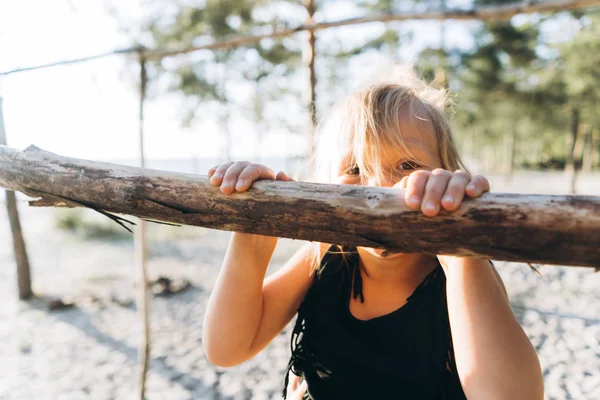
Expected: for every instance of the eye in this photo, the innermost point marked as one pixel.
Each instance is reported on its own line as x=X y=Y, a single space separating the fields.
x=353 y=170
x=408 y=166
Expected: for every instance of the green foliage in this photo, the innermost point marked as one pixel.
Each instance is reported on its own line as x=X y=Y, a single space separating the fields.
x=580 y=62
x=205 y=78
x=512 y=82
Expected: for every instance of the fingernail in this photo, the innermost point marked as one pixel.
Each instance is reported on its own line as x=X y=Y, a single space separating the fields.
x=470 y=187
x=448 y=199
x=430 y=206
x=227 y=184
x=240 y=184
x=414 y=201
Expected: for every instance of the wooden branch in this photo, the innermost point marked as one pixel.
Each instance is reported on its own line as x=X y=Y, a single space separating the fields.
x=562 y=230
x=73 y=60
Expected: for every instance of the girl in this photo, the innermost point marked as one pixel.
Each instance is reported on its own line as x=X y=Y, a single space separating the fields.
x=373 y=324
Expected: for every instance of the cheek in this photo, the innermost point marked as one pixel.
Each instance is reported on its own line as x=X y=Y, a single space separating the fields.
x=347 y=180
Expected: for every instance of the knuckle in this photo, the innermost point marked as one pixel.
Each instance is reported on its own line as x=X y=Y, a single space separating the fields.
x=231 y=173
x=440 y=172
x=240 y=164
x=421 y=172
x=419 y=175
x=462 y=174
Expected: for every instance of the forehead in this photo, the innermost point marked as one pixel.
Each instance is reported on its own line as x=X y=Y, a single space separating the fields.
x=412 y=132
x=416 y=127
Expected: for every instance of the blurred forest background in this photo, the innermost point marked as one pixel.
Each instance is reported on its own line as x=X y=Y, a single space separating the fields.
x=525 y=91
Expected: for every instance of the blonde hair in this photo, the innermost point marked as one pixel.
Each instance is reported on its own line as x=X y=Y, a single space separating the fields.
x=367 y=120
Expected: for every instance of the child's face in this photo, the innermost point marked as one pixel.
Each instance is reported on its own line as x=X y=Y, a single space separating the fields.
x=419 y=137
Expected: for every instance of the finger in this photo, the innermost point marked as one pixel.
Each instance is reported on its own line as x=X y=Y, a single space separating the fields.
x=282 y=176
x=251 y=173
x=415 y=188
x=434 y=190
x=478 y=185
x=401 y=184
x=455 y=192
x=212 y=170
x=217 y=176
x=231 y=176
x=404 y=182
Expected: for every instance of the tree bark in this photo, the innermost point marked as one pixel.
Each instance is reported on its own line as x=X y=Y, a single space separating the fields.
x=562 y=230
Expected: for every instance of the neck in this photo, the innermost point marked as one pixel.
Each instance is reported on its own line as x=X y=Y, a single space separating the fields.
x=395 y=269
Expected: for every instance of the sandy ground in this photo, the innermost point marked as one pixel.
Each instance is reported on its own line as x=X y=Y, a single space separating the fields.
x=89 y=351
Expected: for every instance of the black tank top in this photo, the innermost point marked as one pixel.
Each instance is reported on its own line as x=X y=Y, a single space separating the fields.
x=406 y=354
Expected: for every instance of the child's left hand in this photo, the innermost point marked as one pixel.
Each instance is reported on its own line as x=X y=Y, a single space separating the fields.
x=431 y=191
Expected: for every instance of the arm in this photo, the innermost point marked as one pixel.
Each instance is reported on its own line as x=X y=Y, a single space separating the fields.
x=494 y=357
x=246 y=311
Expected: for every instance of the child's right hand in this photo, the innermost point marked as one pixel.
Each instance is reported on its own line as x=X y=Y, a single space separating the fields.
x=239 y=175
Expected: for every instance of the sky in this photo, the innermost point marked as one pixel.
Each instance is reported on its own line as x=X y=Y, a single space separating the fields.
x=90 y=110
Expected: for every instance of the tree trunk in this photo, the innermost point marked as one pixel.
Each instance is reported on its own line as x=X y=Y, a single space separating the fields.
x=510 y=148
x=20 y=250
x=570 y=165
x=587 y=152
x=596 y=147
x=561 y=230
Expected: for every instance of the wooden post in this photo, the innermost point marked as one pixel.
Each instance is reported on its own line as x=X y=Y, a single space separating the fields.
x=440 y=74
x=23 y=270
x=309 y=60
x=144 y=295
